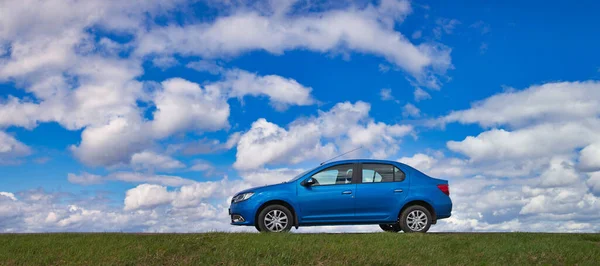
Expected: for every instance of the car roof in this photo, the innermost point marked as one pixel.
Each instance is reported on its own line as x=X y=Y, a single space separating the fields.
x=363 y=161
x=401 y=165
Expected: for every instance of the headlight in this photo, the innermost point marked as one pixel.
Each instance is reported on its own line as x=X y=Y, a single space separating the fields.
x=242 y=197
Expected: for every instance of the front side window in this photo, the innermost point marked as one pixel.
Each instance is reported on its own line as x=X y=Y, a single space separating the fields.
x=335 y=175
x=376 y=173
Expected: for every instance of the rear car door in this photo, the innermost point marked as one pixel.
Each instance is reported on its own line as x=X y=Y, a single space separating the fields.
x=381 y=190
x=332 y=198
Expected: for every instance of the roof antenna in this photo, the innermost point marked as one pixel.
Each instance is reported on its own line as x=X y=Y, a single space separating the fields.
x=341 y=155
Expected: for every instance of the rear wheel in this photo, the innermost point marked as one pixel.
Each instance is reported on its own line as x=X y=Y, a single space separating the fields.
x=392 y=228
x=415 y=219
x=275 y=219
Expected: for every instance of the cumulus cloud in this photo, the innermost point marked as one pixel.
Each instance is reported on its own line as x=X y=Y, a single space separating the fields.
x=550 y=102
x=594 y=183
x=11 y=149
x=91 y=84
x=534 y=141
x=304 y=139
x=261 y=177
x=184 y=105
x=589 y=158
x=146 y=196
x=386 y=94
x=282 y=92
x=130 y=177
x=420 y=94
x=369 y=30
x=154 y=161
x=525 y=164
x=410 y=110
x=40 y=211
x=8 y=195
x=150 y=196
x=113 y=143
x=205 y=145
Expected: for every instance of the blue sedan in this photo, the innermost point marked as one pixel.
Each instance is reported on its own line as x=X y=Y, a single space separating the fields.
x=391 y=194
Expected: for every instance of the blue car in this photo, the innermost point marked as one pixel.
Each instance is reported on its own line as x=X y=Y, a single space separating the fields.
x=391 y=194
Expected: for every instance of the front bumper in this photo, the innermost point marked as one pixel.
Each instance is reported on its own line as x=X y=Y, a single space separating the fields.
x=245 y=210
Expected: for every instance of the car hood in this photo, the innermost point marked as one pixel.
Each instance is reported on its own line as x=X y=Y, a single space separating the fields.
x=263 y=188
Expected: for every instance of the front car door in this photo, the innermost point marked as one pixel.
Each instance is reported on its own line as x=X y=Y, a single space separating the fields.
x=380 y=193
x=331 y=199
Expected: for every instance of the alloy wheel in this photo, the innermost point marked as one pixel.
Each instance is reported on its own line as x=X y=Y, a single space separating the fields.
x=276 y=221
x=416 y=220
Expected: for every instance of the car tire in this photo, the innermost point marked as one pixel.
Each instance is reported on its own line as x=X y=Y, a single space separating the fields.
x=392 y=228
x=415 y=219
x=275 y=219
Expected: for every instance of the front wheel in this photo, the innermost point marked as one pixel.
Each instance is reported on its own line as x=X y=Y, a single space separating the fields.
x=392 y=228
x=275 y=219
x=415 y=219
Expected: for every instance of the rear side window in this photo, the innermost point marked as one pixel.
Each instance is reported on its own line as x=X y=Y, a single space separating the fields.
x=376 y=173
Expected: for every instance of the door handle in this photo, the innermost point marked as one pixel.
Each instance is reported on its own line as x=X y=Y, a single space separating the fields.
x=397 y=190
x=347 y=192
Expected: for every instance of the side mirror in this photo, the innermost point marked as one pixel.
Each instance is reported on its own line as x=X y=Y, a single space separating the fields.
x=309 y=182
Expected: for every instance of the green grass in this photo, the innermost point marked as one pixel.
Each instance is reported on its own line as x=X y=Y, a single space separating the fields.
x=300 y=249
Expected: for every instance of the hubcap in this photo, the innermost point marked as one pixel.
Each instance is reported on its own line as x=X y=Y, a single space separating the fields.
x=276 y=221
x=416 y=220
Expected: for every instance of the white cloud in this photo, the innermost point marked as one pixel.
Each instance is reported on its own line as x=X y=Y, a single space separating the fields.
x=146 y=196
x=594 y=183
x=154 y=161
x=318 y=137
x=8 y=195
x=261 y=177
x=206 y=66
x=85 y=179
x=165 y=180
x=535 y=141
x=206 y=146
x=383 y=68
x=130 y=177
x=420 y=95
x=184 y=105
x=546 y=127
x=380 y=139
x=369 y=30
x=151 y=196
x=444 y=25
x=282 y=92
x=560 y=173
x=11 y=149
x=202 y=166
x=266 y=142
x=410 y=110
x=164 y=62
x=386 y=94
x=420 y=161
x=589 y=158
x=113 y=143
x=550 y=102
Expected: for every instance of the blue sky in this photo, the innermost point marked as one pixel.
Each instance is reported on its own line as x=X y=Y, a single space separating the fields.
x=148 y=116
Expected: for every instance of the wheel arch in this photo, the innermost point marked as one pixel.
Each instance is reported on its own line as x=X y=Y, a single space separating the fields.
x=277 y=202
x=423 y=203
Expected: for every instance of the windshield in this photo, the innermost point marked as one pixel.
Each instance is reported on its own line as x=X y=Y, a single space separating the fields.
x=300 y=175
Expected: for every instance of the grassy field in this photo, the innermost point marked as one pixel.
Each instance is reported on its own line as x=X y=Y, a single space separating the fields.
x=300 y=249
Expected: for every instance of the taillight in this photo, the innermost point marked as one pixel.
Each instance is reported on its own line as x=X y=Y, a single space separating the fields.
x=444 y=188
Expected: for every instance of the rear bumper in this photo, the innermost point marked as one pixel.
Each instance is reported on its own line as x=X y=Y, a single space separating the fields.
x=443 y=210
